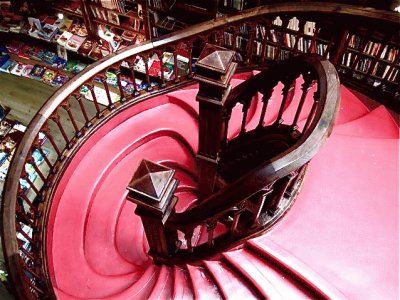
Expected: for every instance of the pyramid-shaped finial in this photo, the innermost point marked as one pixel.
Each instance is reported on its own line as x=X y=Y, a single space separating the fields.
x=215 y=58
x=151 y=180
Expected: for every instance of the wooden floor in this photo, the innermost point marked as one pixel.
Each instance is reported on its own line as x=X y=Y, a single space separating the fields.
x=23 y=95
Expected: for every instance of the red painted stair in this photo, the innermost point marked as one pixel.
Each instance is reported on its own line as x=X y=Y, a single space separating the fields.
x=334 y=242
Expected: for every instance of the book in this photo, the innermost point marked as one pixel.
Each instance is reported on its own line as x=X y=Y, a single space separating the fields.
x=64 y=38
x=59 y=80
x=49 y=76
x=37 y=72
x=17 y=70
x=27 y=71
x=75 y=42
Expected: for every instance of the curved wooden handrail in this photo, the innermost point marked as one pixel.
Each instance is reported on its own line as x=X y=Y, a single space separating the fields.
x=280 y=166
x=204 y=30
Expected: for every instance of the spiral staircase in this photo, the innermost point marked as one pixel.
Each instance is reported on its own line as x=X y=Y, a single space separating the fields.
x=326 y=230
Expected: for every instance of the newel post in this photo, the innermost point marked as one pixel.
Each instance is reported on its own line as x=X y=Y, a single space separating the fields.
x=214 y=70
x=152 y=188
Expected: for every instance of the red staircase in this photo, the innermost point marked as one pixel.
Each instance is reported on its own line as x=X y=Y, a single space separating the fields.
x=326 y=245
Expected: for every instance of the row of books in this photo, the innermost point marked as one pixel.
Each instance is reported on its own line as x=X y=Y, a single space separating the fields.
x=118 y=5
x=36 y=72
x=42 y=55
x=380 y=69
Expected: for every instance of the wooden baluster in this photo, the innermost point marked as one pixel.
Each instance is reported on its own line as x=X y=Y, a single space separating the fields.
x=176 y=65
x=28 y=254
x=188 y=238
x=23 y=233
x=25 y=176
x=210 y=230
x=312 y=112
x=190 y=63
x=99 y=113
x=132 y=69
x=236 y=216
x=38 y=146
x=265 y=100
x=67 y=107
x=160 y=56
x=226 y=117
x=56 y=119
x=26 y=220
x=120 y=87
x=22 y=195
x=260 y=203
x=245 y=109
x=146 y=67
x=103 y=80
x=305 y=87
x=30 y=160
x=288 y=93
x=78 y=98
x=47 y=132
x=280 y=187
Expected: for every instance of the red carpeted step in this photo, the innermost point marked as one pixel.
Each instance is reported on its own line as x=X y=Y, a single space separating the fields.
x=351 y=107
x=231 y=285
x=248 y=265
x=163 y=286
x=296 y=271
x=182 y=285
x=203 y=285
x=344 y=229
x=376 y=124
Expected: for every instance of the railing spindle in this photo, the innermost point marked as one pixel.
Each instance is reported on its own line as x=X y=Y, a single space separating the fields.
x=78 y=98
x=306 y=86
x=288 y=93
x=188 y=238
x=95 y=102
x=103 y=80
x=132 y=70
x=47 y=132
x=67 y=107
x=121 y=89
x=210 y=231
x=312 y=112
x=55 y=117
x=265 y=100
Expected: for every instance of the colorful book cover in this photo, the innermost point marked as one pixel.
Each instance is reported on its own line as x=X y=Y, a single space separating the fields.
x=78 y=68
x=86 y=47
x=49 y=76
x=59 y=80
x=17 y=70
x=64 y=38
x=75 y=42
x=70 y=65
x=27 y=71
x=38 y=72
x=59 y=63
x=5 y=66
x=49 y=57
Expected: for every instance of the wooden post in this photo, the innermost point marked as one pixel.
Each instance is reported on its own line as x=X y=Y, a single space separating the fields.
x=152 y=188
x=214 y=70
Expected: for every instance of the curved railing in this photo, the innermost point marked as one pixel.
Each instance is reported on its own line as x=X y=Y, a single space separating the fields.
x=79 y=108
x=260 y=187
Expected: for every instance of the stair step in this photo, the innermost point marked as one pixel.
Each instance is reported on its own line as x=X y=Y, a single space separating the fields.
x=203 y=286
x=246 y=264
x=301 y=275
x=228 y=282
x=384 y=127
x=349 y=201
x=182 y=285
x=351 y=107
x=163 y=287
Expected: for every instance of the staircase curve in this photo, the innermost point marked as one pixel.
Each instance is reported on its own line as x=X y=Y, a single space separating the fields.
x=73 y=235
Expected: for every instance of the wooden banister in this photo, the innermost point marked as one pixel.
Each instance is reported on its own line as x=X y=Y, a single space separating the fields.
x=197 y=36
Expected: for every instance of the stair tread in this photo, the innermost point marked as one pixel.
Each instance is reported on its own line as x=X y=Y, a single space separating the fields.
x=229 y=283
x=182 y=286
x=348 y=212
x=245 y=263
x=203 y=286
x=384 y=127
x=163 y=287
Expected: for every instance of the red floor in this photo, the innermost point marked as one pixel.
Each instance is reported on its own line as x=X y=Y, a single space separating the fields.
x=341 y=234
